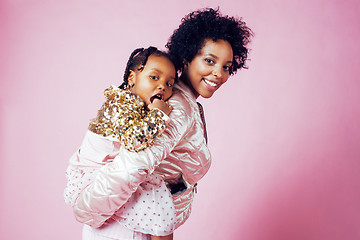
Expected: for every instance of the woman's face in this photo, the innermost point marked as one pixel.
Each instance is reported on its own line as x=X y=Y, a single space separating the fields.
x=210 y=68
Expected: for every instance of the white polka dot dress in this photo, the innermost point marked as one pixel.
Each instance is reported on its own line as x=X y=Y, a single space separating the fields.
x=150 y=210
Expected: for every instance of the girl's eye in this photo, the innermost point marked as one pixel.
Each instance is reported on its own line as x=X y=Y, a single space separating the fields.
x=210 y=61
x=169 y=84
x=154 y=77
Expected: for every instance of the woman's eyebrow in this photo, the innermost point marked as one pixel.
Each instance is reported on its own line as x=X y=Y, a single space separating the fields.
x=212 y=55
x=216 y=57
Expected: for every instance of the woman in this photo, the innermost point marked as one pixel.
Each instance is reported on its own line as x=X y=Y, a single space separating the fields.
x=208 y=48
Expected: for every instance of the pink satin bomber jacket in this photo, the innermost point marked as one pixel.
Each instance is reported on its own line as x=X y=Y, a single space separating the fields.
x=96 y=194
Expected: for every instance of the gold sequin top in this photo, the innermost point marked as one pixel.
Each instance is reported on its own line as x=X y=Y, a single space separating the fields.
x=124 y=116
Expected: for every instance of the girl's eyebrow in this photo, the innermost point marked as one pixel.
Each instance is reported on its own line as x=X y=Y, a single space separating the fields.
x=172 y=78
x=156 y=70
x=160 y=72
x=216 y=57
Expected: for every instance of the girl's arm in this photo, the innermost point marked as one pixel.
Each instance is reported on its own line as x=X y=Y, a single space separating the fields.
x=124 y=116
x=116 y=181
x=141 y=131
x=121 y=119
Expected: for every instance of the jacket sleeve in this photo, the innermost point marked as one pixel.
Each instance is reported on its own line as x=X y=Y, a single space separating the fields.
x=125 y=117
x=115 y=182
x=94 y=152
x=143 y=129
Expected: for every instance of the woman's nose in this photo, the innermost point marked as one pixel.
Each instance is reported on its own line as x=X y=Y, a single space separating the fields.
x=217 y=72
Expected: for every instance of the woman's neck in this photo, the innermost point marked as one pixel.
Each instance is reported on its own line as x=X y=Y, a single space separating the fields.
x=183 y=78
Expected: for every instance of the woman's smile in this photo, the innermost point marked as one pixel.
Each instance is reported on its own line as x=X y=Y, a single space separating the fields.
x=210 y=68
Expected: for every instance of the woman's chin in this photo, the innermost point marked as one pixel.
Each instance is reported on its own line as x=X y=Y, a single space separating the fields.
x=207 y=94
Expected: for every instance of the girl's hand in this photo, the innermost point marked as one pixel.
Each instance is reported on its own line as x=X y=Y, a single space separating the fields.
x=162 y=105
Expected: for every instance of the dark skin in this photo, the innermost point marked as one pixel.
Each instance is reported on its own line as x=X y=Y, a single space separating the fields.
x=157 y=76
x=168 y=237
x=205 y=74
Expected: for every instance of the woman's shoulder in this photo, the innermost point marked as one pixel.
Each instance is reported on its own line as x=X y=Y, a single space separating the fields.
x=183 y=100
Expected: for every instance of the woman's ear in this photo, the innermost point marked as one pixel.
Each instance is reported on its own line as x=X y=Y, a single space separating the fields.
x=185 y=64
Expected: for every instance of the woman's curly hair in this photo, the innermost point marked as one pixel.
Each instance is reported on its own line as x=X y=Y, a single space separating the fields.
x=208 y=23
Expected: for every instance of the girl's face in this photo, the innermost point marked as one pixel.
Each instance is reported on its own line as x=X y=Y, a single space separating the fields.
x=155 y=80
x=210 y=68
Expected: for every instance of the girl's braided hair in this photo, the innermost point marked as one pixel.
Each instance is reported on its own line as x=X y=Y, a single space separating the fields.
x=137 y=62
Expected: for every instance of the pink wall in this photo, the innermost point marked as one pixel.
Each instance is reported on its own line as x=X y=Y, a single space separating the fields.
x=284 y=134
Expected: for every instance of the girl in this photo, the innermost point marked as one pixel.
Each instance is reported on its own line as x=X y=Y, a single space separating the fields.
x=123 y=118
x=208 y=48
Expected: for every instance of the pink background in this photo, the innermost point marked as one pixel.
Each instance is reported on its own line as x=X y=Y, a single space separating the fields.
x=284 y=134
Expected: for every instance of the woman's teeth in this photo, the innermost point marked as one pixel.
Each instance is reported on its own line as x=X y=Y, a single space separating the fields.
x=210 y=83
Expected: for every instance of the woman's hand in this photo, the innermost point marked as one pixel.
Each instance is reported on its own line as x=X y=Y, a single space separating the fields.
x=161 y=105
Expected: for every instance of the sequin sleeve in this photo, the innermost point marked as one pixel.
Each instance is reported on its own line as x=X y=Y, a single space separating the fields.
x=124 y=116
x=144 y=130
x=115 y=182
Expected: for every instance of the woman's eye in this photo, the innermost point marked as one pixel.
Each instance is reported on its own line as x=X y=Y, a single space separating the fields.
x=154 y=77
x=210 y=61
x=227 y=68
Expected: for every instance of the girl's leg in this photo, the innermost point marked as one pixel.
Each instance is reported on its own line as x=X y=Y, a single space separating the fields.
x=112 y=230
x=88 y=234
x=168 y=237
